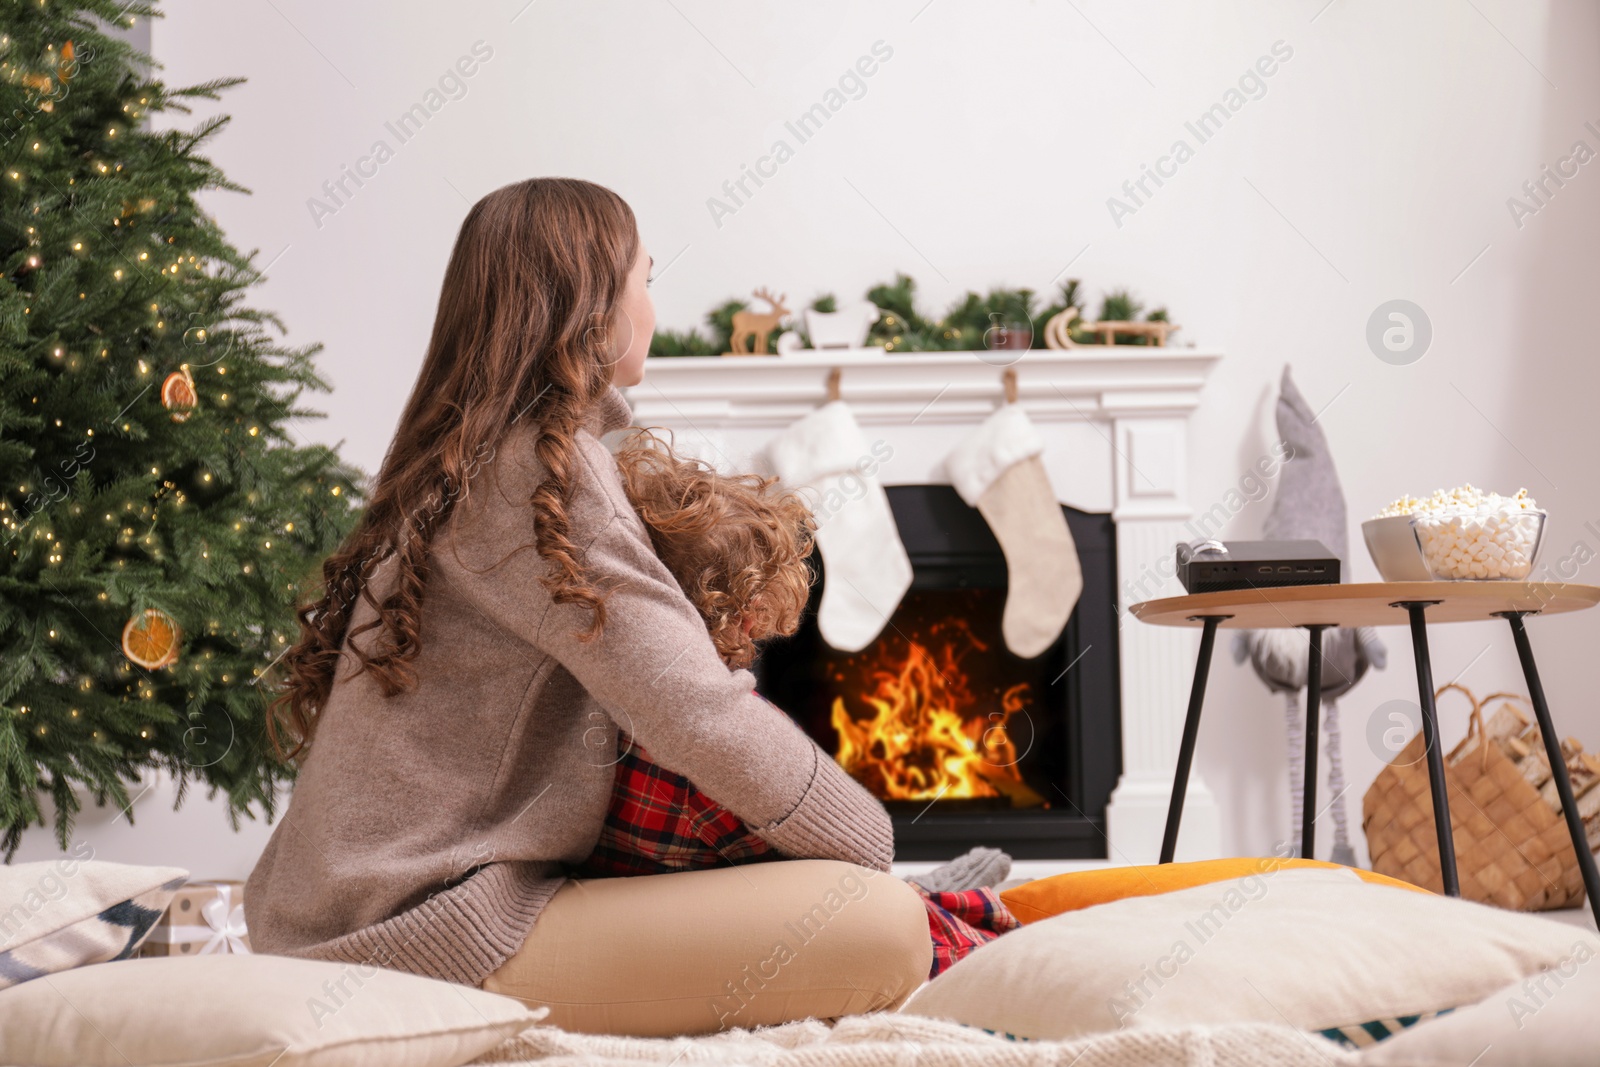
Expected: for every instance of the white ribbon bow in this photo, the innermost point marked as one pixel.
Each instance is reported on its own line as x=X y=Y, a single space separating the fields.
x=226 y=920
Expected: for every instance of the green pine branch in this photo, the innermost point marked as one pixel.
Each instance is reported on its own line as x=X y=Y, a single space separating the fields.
x=969 y=324
x=113 y=280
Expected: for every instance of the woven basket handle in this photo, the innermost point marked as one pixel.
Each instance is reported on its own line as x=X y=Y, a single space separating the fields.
x=1513 y=698
x=1475 y=726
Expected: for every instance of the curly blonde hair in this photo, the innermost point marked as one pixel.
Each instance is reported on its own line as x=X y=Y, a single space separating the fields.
x=737 y=543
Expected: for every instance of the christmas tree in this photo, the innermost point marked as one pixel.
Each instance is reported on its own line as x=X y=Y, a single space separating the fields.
x=159 y=517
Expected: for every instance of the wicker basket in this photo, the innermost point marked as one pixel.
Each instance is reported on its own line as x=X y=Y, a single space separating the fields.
x=1512 y=848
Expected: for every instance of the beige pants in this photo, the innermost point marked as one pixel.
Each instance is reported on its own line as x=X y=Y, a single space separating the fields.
x=703 y=951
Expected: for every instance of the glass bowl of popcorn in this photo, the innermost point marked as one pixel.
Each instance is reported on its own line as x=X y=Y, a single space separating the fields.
x=1468 y=534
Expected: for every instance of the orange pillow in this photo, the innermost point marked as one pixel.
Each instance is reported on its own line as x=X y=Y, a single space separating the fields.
x=1045 y=897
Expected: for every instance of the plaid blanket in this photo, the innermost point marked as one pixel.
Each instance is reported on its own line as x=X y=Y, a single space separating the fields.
x=658 y=823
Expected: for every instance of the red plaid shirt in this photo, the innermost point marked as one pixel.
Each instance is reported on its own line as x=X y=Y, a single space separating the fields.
x=658 y=823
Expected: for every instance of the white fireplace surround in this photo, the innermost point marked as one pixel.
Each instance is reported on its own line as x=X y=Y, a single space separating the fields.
x=1115 y=422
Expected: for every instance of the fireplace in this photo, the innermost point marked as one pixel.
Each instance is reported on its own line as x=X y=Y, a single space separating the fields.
x=1116 y=425
x=966 y=743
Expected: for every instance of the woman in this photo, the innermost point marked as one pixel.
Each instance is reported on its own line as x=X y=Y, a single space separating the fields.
x=497 y=615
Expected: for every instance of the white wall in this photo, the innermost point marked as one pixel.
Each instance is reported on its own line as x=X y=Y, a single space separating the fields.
x=1376 y=166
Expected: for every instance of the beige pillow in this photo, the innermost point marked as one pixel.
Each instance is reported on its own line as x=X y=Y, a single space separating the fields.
x=1545 y=1020
x=249 y=1011
x=1317 y=949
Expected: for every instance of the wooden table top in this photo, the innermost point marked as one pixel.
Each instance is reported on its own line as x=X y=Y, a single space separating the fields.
x=1365 y=603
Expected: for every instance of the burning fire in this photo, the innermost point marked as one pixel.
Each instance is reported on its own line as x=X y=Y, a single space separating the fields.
x=922 y=740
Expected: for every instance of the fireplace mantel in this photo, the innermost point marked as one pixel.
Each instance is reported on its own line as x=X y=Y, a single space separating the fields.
x=1115 y=422
x=1070 y=383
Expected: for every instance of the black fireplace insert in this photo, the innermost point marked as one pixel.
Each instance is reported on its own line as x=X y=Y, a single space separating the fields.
x=966 y=743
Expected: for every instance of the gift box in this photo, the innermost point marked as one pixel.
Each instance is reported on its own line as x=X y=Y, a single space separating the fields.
x=203 y=918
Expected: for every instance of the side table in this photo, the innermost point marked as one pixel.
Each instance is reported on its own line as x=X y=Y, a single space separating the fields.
x=1316 y=608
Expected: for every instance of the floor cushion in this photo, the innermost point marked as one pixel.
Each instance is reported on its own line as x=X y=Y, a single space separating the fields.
x=1044 y=897
x=1551 y=1019
x=250 y=1011
x=1317 y=949
x=64 y=913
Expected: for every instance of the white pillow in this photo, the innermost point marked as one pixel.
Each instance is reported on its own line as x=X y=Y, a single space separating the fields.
x=1545 y=1020
x=1317 y=949
x=250 y=1011
x=64 y=913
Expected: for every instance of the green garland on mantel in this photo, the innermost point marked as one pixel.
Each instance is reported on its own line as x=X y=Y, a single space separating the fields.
x=901 y=328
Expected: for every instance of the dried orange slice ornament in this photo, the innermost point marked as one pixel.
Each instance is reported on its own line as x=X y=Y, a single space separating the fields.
x=151 y=640
x=178 y=394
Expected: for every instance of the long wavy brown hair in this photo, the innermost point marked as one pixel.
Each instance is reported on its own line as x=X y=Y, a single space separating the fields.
x=520 y=334
x=738 y=544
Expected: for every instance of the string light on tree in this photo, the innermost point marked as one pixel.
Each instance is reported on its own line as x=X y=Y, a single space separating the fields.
x=127 y=510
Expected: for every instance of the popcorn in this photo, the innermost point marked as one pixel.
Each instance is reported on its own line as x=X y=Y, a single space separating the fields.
x=1468 y=533
x=1468 y=496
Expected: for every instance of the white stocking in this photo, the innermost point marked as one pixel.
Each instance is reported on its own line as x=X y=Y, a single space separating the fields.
x=867 y=569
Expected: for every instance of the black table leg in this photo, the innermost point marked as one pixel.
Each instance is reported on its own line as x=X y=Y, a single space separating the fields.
x=1558 y=763
x=1430 y=736
x=1191 y=730
x=1308 y=803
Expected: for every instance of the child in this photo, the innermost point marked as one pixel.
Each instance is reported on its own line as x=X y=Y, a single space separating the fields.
x=738 y=546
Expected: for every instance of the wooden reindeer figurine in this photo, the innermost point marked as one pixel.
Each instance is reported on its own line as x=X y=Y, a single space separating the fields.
x=748 y=325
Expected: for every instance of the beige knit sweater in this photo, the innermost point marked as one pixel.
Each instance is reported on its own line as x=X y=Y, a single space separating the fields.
x=427 y=830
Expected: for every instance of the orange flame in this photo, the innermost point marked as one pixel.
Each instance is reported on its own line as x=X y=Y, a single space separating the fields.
x=922 y=741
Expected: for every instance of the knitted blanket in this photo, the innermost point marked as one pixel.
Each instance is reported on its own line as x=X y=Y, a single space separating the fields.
x=893 y=1040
